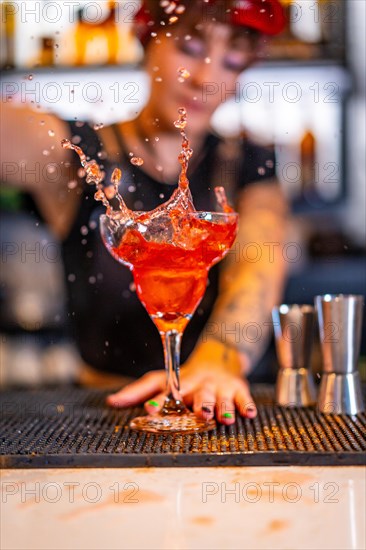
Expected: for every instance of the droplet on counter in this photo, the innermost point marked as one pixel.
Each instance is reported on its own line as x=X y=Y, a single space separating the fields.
x=137 y=161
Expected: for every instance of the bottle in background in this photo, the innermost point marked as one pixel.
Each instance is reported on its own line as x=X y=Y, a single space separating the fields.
x=97 y=43
x=308 y=146
x=47 y=57
x=8 y=23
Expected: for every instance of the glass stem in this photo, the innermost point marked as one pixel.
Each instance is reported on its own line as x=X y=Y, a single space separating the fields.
x=173 y=401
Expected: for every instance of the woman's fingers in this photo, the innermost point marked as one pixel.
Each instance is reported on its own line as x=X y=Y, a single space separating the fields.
x=225 y=406
x=244 y=402
x=224 y=397
x=136 y=392
x=153 y=405
x=204 y=401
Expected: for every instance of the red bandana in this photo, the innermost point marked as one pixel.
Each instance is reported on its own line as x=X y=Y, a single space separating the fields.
x=265 y=16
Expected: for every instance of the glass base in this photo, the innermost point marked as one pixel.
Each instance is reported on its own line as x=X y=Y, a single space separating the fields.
x=186 y=423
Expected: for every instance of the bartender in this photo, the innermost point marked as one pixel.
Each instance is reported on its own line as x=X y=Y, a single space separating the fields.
x=192 y=51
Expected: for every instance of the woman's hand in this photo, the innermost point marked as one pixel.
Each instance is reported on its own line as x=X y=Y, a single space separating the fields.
x=211 y=384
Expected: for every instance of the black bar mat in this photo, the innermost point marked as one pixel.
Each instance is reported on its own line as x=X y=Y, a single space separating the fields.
x=72 y=427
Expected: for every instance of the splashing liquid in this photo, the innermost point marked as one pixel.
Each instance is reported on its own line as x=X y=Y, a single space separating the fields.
x=179 y=203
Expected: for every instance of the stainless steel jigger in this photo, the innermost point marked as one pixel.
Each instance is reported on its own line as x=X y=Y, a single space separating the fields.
x=340 y=323
x=294 y=334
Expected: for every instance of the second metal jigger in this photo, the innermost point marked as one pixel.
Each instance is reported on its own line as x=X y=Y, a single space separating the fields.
x=294 y=332
x=340 y=323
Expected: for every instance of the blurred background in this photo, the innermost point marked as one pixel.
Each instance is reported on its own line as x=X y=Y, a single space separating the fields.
x=306 y=96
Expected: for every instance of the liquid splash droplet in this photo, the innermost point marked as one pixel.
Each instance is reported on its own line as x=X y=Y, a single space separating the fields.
x=137 y=161
x=183 y=74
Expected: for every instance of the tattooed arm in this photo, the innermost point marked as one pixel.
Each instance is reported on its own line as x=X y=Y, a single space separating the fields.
x=253 y=277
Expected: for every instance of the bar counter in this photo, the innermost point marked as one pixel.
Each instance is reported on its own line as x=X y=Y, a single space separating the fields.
x=291 y=507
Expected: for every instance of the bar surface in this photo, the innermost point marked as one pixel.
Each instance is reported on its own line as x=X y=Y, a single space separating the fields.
x=71 y=427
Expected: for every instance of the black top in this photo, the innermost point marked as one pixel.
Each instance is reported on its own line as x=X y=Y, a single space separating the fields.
x=111 y=327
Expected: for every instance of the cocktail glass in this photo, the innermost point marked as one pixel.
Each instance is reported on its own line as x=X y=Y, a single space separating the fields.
x=170 y=259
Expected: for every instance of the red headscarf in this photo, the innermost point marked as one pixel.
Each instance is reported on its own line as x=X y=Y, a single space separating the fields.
x=265 y=16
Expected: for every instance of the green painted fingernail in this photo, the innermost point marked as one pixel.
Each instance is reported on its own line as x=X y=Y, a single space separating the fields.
x=227 y=415
x=153 y=403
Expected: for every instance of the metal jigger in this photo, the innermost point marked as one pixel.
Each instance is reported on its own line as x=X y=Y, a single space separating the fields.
x=294 y=332
x=340 y=324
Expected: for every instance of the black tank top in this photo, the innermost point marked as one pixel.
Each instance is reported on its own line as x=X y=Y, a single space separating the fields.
x=109 y=324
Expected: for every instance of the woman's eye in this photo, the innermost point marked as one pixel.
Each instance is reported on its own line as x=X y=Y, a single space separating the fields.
x=235 y=61
x=193 y=47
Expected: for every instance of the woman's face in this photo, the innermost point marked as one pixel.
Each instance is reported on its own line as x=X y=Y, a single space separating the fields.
x=214 y=57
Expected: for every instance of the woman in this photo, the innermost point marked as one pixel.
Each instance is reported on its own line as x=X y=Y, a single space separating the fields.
x=212 y=42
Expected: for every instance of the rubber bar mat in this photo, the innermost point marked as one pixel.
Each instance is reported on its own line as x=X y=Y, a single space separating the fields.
x=72 y=427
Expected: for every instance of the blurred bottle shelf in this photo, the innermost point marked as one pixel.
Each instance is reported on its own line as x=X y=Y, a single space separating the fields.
x=94 y=33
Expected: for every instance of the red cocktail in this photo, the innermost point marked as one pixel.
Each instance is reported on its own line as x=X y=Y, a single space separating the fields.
x=170 y=272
